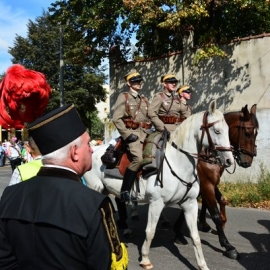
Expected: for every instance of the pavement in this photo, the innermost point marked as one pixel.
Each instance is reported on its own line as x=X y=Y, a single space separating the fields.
x=246 y=229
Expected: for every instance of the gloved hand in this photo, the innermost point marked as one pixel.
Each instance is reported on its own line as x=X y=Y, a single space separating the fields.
x=131 y=138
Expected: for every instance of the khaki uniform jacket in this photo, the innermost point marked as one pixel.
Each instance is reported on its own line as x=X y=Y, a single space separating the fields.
x=123 y=111
x=165 y=103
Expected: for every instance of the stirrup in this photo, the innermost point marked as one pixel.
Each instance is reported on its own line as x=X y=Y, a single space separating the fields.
x=125 y=196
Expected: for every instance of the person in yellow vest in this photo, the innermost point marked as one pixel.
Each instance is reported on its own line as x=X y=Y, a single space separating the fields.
x=29 y=169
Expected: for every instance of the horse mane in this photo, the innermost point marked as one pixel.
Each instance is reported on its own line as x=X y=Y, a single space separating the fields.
x=183 y=131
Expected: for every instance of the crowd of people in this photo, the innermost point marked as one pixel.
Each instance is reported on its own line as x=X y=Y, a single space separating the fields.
x=65 y=224
x=15 y=152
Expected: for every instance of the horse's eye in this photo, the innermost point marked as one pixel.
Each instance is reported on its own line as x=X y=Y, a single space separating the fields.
x=216 y=131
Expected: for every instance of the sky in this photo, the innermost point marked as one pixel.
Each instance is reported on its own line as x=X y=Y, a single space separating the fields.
x=15 y=15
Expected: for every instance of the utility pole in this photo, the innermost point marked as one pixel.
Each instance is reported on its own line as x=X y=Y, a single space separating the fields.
x=61 y=77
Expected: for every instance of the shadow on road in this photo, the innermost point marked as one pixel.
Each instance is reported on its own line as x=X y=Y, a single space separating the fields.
x=261 y=243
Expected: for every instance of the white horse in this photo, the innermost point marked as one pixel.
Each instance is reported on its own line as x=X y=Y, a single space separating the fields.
x=179 y=179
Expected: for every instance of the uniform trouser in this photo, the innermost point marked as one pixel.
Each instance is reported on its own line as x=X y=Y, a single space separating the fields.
x=135 y=154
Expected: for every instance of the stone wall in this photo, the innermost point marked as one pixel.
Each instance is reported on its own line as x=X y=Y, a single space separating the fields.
x=242 y=78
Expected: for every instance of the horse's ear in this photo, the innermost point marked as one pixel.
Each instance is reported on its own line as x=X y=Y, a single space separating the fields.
x=212 y=106
x=253 y=109
x=245 y=112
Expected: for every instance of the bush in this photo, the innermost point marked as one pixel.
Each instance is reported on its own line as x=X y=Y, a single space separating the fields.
x=248 y=194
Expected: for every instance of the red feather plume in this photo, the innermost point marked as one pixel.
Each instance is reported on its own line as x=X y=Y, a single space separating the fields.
x=24 y=95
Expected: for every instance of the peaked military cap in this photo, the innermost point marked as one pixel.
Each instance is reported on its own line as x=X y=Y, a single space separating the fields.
x=133 y=76
x=184 y=88
x=56 y=129
x=169 y=78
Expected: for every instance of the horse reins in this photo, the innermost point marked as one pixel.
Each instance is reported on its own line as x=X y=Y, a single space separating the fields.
x=205 y=129
x=236 y=153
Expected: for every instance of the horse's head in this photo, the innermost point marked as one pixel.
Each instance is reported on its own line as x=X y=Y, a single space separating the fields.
x=215 y=136
x=243 y=130
x=209 y=133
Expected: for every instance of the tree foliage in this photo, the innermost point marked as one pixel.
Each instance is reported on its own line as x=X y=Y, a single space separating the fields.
x=160 y=26
x=96 y=21
x=96 y=127
x=40 y=51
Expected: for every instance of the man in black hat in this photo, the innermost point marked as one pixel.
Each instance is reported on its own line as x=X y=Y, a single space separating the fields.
x=131 y=120
x=53 y=221
x=164 y=110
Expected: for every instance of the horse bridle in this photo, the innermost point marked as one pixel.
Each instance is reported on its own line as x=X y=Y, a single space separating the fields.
x=236 y=152
x=205 y=129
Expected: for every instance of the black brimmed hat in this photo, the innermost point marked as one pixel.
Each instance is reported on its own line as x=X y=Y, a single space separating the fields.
x=184 y=88
x=169 y=78
x=133 y=76
x=56 y=129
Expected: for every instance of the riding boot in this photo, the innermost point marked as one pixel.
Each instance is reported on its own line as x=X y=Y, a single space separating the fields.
x=128 y=180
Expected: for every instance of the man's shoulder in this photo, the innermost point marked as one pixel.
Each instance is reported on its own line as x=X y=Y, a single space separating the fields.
x=159 y=96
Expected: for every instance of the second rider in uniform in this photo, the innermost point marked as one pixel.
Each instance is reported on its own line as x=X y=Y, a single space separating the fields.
x=165 y=110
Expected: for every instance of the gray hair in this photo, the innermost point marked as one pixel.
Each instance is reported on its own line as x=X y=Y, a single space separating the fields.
x=60 y=155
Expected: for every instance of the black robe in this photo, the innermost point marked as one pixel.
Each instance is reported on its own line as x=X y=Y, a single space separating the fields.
x=52 y=221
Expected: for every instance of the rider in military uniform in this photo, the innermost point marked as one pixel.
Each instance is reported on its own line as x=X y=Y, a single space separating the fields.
x=184 y=93
x=165 y=108
x=52 y=221
x=131 y=120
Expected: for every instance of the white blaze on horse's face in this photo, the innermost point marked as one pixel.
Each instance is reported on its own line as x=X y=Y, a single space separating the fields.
x=219 y=133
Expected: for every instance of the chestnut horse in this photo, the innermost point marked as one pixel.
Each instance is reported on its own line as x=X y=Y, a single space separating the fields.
x=243 y=129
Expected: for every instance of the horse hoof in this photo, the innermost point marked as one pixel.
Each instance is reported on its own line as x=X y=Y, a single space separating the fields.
x=146 y=265
x=232 y=254
x=180 y=240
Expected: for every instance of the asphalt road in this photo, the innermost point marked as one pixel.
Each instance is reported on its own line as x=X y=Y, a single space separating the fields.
x=246 y=229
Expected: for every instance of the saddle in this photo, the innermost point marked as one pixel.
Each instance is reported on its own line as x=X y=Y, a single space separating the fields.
x=116 y=158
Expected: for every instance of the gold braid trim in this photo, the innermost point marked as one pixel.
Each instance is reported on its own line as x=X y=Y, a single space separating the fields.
x=183 y=88
x=132 y=75
x=111 y=230
x=168 y=77
x=51 y=118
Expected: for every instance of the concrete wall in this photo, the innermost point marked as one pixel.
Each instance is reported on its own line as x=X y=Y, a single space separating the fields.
x=242 y=78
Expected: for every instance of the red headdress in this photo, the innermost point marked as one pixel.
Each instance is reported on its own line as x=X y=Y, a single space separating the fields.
x=24 y=95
